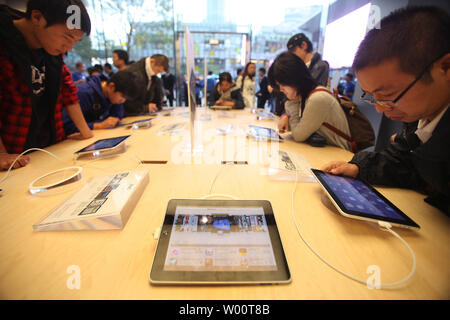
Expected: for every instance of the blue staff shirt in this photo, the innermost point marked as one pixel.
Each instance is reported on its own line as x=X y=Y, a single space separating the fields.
x=86 y=94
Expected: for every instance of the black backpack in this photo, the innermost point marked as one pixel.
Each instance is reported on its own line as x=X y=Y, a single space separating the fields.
x=361 y=131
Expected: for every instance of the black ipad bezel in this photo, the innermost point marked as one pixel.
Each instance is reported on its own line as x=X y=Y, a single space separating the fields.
x=408 y=222
x=264 y=138
x=159 y=276
x=102 y=149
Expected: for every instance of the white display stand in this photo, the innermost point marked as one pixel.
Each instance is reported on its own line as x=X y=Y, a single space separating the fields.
x=283 y=167
x=205 y=116
x=194 y=146
x=104 y=203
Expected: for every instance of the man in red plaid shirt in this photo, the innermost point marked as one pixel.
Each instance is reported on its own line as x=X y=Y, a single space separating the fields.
x=34 y=82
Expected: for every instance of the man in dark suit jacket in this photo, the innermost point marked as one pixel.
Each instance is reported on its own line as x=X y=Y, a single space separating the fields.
x=263 y=93
x=169 y=81
x=151 y=93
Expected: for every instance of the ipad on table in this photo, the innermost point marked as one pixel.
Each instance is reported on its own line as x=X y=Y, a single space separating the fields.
x=219 y=242
x=103 y=145
x=263 y=134
x=221 y=107
x=137 y=123
x=356 y=199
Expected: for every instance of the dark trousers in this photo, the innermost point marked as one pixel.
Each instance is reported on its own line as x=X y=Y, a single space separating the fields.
x=262 y=102
x=170 y=98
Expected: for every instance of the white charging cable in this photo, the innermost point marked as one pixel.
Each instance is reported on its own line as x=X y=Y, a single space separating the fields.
x=20 y=155
x=219 y=195
x=89 y=163
x=383 y=225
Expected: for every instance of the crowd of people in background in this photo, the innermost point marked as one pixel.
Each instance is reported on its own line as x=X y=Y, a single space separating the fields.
x=406 y=77
x=164 y=84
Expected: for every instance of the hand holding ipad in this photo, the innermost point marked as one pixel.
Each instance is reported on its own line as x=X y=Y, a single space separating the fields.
x=356 y=199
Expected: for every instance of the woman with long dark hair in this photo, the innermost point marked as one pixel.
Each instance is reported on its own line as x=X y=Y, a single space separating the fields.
x=306 y=109
x=247 y=84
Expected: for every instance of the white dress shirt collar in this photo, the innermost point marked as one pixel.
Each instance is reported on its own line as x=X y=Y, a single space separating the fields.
x=425 y=128
x=149 y=71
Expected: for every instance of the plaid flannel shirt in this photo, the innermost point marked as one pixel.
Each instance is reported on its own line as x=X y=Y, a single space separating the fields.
x=16 y=106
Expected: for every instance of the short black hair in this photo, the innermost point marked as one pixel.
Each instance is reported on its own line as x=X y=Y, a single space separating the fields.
x=55 y=12
x=91 y=70
x=108 y=65
x=263 y=70
x=122 y=55
x=289 y=70
x=161 y=60
x=126 y=83
x=415 y=36
x=225 y=76
x=296 y=41
x=350 y=76
x=98 y=67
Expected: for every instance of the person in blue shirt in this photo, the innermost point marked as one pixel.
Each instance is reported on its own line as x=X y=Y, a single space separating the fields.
x=102 y=101
x=349 y=87
x=210 y=84
x=79 y=75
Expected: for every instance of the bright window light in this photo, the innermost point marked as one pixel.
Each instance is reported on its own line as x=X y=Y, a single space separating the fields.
x=343 y=36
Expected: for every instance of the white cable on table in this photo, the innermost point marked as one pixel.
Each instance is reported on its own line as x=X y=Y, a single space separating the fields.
x=383 y=225
x=72 y=178
x=26 y=151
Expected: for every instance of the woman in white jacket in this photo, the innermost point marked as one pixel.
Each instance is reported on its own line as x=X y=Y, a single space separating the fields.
x=246 y=82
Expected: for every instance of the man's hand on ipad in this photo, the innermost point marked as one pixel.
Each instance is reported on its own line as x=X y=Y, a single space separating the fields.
x=342 y=168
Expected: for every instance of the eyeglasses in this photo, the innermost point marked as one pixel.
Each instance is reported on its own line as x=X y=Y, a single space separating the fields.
x=390 y=104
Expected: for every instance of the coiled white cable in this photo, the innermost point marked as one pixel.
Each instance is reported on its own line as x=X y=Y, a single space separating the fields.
x=383 y=225
x=89 y=163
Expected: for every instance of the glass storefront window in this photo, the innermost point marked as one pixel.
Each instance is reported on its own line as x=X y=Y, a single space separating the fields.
x=227 y=33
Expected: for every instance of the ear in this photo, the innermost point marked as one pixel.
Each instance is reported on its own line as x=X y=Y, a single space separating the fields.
x=37 y=19
x=304 y=45
x=444 y=66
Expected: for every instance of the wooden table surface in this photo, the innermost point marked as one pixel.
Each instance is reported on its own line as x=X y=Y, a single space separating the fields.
x=115 y=264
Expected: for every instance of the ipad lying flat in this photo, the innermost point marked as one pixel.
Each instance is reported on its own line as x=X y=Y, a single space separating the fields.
x=137 y=123
x=103 y=145
x=262 y=115
x=221 y=107
x=263 y=134
x=219 y=242
x=357 y=199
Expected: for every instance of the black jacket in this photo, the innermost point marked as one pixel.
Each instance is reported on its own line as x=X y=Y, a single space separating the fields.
x=407 y=163
x=319 y=70
x=236 y=96
x=263 y=91
x=152 y=95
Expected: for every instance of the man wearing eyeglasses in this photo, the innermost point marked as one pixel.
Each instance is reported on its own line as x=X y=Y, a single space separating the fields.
x=404 y=70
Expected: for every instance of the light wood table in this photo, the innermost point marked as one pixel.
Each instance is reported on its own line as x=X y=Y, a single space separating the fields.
x=116 y=264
